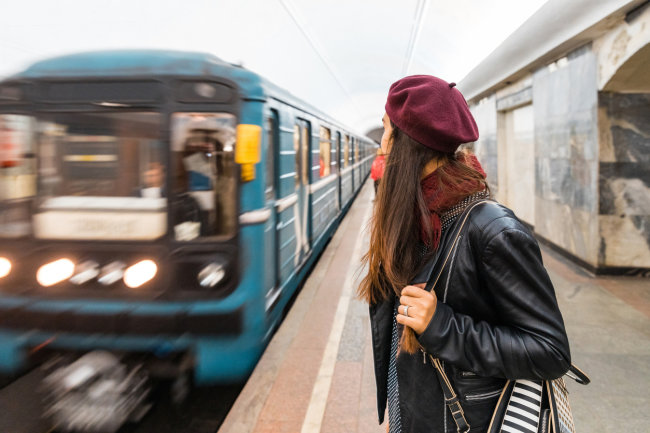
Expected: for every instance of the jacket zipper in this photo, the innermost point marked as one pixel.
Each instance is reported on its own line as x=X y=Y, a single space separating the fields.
x=424 y=355
x=483 y=396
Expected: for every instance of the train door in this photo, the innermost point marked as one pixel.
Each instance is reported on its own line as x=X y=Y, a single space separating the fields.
x=339 y=185
x=272 y=241
x=301 y=141
x=353 y=144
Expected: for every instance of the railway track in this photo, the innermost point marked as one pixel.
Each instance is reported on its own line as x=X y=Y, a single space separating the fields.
x=203 y=411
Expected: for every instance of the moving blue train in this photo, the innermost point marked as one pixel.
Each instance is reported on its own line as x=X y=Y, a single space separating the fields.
x=162 y=208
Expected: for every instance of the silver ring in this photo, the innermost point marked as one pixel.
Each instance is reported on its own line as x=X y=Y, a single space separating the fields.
x=406 y=310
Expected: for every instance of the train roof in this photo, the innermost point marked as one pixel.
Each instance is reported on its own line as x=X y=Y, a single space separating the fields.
x=130 y=63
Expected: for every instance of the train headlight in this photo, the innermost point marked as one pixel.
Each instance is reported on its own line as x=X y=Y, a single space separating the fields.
x=5 y=267
x=140 y=273
x=211 y=275
x=54 y=272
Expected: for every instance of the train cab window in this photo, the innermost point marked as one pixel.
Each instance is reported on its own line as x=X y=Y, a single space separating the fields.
x=17 y=174
x=204 y=186
x=346 y=151
x=271 y=142
x=101 y=176
x=325 y=152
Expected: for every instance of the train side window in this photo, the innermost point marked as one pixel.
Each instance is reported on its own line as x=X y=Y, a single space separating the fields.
x=346 y=151
x=356 y=151
x=296 y=149
x=271 y=142
x=325 y=151
x=337 y=152
x=306 y=152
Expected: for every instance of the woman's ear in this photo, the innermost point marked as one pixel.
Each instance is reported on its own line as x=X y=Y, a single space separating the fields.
x=387 y=145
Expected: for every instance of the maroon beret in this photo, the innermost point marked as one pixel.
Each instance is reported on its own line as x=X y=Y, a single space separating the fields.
x=432 y=112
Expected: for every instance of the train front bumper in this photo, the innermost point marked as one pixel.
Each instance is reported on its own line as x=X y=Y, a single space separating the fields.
x=222 y=349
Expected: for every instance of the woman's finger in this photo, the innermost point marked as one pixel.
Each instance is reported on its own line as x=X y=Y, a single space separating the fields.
x=424 y=302
x=406 y=321
x=411 y=311
x=414 y=292
x=407 y=300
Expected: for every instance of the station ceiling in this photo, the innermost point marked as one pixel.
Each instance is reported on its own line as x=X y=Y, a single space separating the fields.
x=339 y=55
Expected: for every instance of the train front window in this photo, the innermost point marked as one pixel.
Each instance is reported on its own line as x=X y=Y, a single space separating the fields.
x=17 y=174
x=205 y=176
x=100 y=176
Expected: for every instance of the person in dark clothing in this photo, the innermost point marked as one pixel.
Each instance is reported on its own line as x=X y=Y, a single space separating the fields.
x=492 y=314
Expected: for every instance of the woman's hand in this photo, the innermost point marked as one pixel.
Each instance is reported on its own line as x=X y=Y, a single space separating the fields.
x=421 y=308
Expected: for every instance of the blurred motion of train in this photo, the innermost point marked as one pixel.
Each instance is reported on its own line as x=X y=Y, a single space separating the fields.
x=159 y=209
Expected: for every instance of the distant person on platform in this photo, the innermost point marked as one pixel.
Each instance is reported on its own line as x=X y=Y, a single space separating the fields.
x=377 y=169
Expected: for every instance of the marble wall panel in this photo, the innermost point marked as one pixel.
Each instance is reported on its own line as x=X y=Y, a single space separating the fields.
x=519 y=162
x=592 y=163
x=565 y=102
x=625 y=241
x=485 y=147
x=624 y=189
x=574 y=230
x=624 y=179
x=583 y=79
x=625 y=127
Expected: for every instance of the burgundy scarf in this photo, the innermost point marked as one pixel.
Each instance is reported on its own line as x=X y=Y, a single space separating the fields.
x=441 y=195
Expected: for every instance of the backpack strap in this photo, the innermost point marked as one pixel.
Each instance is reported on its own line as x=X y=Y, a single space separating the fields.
x=578 y=375
x=451 y=399
x=461 y=221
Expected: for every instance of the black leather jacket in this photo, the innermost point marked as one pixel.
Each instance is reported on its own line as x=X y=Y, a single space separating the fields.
x=497 y=317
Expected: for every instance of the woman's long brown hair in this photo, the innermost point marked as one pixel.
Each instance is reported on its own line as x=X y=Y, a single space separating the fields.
x=393 y=258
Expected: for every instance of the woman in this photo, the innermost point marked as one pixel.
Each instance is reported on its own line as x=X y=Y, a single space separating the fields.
x=492 y=314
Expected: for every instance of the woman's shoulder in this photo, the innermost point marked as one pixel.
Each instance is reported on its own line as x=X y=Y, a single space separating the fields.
x=491 y=218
